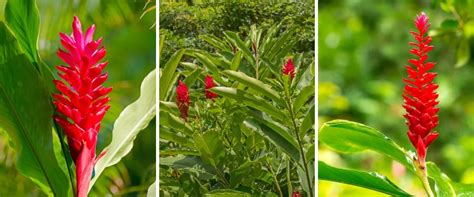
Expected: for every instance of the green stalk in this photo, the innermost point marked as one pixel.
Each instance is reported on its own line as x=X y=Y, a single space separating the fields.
x=274 y=177
x=298 y=138
x=422 y=173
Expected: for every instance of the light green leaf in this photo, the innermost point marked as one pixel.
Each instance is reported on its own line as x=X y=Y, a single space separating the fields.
x=23 y=18
x=442 y=183
x=369 y=180
x=308 y=121
x=214 y=41
x=134 y=118
x=151 y=190
x=168 y=73
x=210 y=146
x=28 y=123
x=170 y=120
x=350 y=137
x=255 y=84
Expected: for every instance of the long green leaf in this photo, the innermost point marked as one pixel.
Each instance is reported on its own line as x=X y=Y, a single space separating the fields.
x=369 y=180
x=305 y=94
x=23 y=18
x=28 y=122
x=349 y=137
x=168 y=73
x=134 y=118
x=255 y=84
x=234 y=38
x=249 y=100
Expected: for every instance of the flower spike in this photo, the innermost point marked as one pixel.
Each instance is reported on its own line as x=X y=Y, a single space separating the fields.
x=209 y=83
x=289 y=68
x=419 y=92
x=82 y=101
x=182 y=99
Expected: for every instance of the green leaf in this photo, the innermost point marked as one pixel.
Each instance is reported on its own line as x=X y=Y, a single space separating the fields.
x=134 y=118
x=249 y=100
x=170 y=120
x=305 y=94
x=210 y=146
x=151 y=190
x=236 y=41
x=278 y=137
x=350 y=137
x=369 y=180
x=449 y=24
x=214 y=41
x=255 y=84
x=28 y=122
x=442 y=182
x=189 y=163
x=236 y=61
x=463 y=53
x=308 y=121
x=23 y=19
x=168 y=73
x=166 y=134
x=226 y=193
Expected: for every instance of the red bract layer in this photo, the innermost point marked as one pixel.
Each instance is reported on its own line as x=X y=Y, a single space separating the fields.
x=289 y=69
x=296 y=194
x=419 y=92
x=82 y=102
x=182 y=99
x=209 y=83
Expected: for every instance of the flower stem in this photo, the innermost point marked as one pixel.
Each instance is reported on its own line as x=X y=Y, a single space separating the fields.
x=300 y=143
x=422 y=173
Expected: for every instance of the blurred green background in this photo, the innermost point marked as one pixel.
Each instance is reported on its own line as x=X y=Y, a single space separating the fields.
x=130 y=44
x=363 y=48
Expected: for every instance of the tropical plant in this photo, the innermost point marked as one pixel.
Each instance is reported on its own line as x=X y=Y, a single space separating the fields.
x=240 y=119
x=26 y=108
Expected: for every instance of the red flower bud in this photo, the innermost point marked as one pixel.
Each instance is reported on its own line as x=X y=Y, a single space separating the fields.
x=419 y=92
x=209 y=83
x=296 y=194
x=289 y=69
x=82 y=102
x=182 y=99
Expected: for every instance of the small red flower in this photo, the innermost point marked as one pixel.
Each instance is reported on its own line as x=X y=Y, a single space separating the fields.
x=82 y=102
x=296 y=194
x=182 y=99
x=420 y=92
x=289 y=68
x=209 y=83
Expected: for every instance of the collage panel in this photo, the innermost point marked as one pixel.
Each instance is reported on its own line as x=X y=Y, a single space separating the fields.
x=77 y=98
x=394 y=102
x=236 y=98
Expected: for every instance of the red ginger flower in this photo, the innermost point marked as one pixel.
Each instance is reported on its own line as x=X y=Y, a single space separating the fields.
x=182 y=99
x=209 y=83
x=289 y=68
x=82 y=102
x=296 y=194
x=419 y=92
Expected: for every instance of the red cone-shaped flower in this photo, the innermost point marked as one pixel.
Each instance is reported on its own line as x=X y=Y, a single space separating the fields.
x=419 y=92
x=296 y=194
x=182 y=99
x=209 y=83
x=82 y=102
x=289 y=69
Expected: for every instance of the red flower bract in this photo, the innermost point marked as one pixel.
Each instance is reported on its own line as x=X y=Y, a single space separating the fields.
x=182 y=99
x=82 y=102
x=419 y=92
x=289 y=69
x=296 y=194
x=209 y=83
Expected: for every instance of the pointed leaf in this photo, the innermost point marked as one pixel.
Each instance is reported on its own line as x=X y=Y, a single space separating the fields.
x=369 y=180
x=168 y=73
x=134 y=118
x=350 y=137
x=28 y=122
